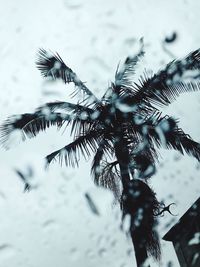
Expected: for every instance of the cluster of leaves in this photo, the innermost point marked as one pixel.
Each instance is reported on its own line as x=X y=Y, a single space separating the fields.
x=127 y=115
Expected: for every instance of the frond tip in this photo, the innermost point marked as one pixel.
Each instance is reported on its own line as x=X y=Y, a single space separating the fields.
x=167 y=134
x=52 y=66
x=124 y=75
x=177 y=77
x=108 y=176
x=70 y=153
x=30 y=124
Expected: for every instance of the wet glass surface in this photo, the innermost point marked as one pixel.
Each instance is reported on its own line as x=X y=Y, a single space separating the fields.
x=58 y=216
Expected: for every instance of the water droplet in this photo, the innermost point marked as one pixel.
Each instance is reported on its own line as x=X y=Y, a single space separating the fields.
x=102 y=252
x=90 y=254
x=73 y=253
x=6 y=251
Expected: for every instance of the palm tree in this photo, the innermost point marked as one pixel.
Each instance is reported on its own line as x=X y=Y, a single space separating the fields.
x=123 y=129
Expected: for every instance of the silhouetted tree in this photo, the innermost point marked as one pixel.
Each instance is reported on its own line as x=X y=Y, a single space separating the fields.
x=123 y=129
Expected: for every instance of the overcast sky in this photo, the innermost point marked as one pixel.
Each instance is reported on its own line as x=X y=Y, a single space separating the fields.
x=53 y=224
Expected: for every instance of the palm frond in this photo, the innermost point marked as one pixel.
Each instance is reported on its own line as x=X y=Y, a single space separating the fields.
x=178 y=77
x=124 y=76
x=126 y=101
x=96 y=164
x=82 y=116
x=83 y=145
x=181 y=142
x=51 y=65
x=104 y=150
x=166 y=133
x=81 y=125
x=64 y=106
x=109 y=177
x=143 y=155
x=29 y=125
x=144 y=161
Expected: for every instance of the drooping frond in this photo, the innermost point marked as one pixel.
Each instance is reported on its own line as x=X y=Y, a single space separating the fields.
x=82 y=116
x=143 y=155
x=98 y=157
x=29 y=125
x=166 y=133
x=83 y=145
x=144 y=160
x=124 y=76
x=52 y=66
x=82 y=124
x=109 y=177
x=182 y=142
x=164 y=87
x=64 y=106
x=164 y=94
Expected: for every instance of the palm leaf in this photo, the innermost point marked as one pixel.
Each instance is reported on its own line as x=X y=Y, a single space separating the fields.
x=143 y=155
x=126 y=101
x=82 y=145
x=103 y=150
x=96 y=164
x=31 y=124
x=144 y=161
x=82 y=116
x=124 y=76
x=181 y=142
x=164 y=87
x=109 y=177
x=80 y=126
x=64 y=106
x=166 y=133
x=52 y=66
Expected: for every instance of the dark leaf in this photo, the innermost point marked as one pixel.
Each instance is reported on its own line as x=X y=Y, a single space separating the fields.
x=71 y=153
x=166 y=133
x=101 y=153
x=124 y=75
x=30 y=125
x=109 y=177
x=180 y=141
x=164 y=87
x=64 y=106
x=52 y=66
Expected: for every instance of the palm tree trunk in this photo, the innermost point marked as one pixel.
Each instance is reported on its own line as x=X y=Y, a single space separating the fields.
x=122 y=155
x=140 y=250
